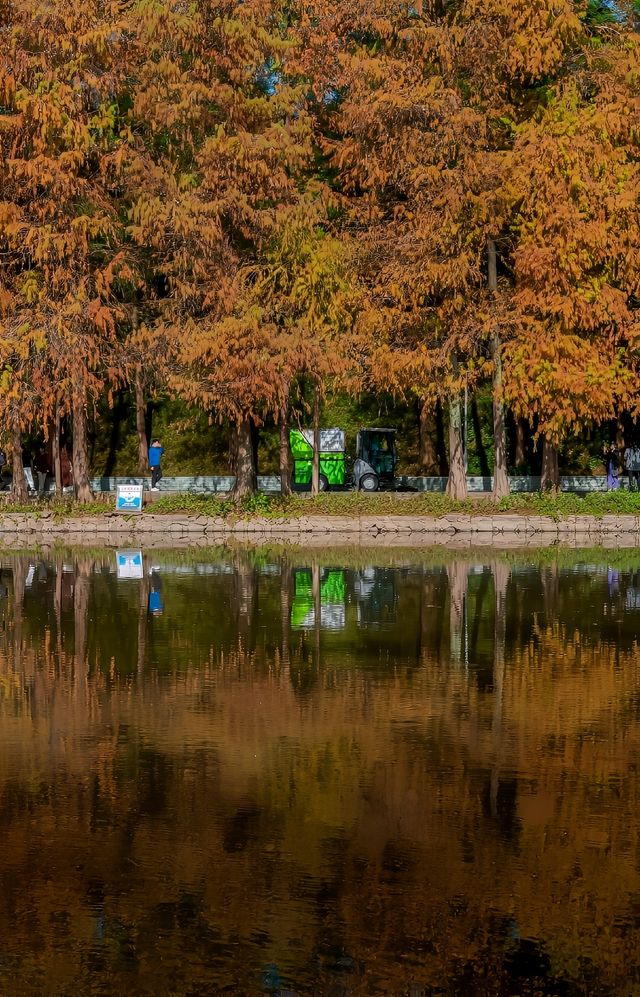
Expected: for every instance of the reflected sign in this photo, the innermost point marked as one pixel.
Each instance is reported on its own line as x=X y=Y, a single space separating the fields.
x=130 y=564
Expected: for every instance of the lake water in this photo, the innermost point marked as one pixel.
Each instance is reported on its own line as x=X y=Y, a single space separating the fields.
x=346 y=773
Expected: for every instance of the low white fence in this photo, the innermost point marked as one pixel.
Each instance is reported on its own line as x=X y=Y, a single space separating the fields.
x=222 y=484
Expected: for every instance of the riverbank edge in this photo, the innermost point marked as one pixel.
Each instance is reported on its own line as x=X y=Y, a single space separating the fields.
x=520 y=529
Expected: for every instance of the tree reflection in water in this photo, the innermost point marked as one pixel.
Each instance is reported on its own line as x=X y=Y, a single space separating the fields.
x=384 y=773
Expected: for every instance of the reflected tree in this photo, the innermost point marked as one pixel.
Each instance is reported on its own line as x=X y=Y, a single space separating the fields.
x=286 y=589
x=19 y=567
x=458 y=575
x=245 y=599
x=501 y=572
x=81 y=591
x=143 y=610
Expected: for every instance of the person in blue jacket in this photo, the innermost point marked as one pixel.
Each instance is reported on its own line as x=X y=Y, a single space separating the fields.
x=156 y=451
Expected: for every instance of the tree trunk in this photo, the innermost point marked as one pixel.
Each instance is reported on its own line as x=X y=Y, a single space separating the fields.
x=233 y=448
x=246 y=478
x=148 y=421
x=500 y=477
x=441 y=448
x=255 y=444
x=18 y=484
x=457 y=483
x=427 y=428
x=315 y=467
x=80 y=456
x=55 y=452
x=520 y=455
x=285 y=466
x=550 y=481
x=141 y=424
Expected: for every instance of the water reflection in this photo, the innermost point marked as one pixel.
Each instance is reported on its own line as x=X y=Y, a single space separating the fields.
x=384 y=774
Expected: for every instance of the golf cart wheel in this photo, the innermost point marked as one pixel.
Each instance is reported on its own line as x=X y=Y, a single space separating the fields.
x=369 y=483
x=323 y=483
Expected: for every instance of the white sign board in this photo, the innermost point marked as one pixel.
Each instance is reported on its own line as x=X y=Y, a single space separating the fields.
x=331 y=440
x=130 y=564
x=129 y=498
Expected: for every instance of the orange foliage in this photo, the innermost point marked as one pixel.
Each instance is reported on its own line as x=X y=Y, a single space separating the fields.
x=575 y=187
x=238 y=194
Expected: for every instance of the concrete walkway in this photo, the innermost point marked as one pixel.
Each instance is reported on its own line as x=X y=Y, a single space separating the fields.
x=497 y=530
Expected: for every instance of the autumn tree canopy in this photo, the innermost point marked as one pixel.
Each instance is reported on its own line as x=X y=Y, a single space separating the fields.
x=231 y=196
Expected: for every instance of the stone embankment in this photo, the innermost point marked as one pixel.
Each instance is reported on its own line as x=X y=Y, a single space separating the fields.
x=453 y=530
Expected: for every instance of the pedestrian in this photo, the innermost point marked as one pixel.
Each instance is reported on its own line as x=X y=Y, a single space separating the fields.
x=41 y=464
x=632 y=466
x=612 y=459
x=27 y=466
x=156 y=451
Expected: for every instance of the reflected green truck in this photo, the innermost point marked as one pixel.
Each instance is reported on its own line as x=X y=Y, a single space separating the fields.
x=333 y=587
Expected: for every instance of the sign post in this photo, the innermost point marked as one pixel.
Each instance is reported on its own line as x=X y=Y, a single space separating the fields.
x=129 y=498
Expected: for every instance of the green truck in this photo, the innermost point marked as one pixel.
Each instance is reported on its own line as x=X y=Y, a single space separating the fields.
x=333 y=472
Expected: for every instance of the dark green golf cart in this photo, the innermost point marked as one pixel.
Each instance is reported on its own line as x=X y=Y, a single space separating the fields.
x=376 y=460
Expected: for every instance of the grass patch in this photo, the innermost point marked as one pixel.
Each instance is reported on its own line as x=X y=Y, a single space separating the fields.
x=59 y=508
x=353 y=504
x=389 y=504
x=569 y=504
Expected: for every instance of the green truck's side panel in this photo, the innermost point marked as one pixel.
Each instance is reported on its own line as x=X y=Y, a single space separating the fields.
x=298 y=444
x=333 y=465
